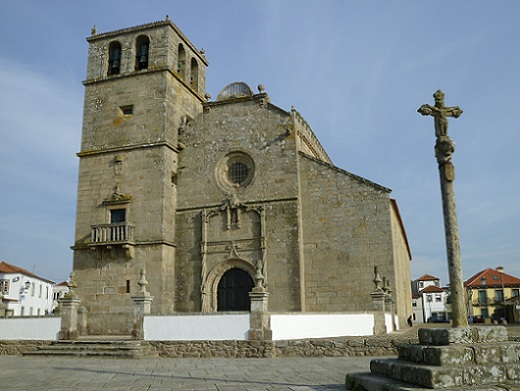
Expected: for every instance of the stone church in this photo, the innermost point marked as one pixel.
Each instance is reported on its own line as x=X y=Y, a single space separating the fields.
x=214 y=197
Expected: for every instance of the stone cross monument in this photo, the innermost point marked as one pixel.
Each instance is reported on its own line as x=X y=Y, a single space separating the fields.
x=444 y=149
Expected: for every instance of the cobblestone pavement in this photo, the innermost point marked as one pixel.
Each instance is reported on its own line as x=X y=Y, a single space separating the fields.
x=71 y=374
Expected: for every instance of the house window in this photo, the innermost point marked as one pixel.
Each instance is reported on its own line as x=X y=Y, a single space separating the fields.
x=114 y=58
x=515 y=292
x=41 y=290
x=32 y=292
x=414 y=303
x=482 y=297
x=4 y=286
x=421 y=284
x=438 y=298
x=142 y=48
x=499 y=296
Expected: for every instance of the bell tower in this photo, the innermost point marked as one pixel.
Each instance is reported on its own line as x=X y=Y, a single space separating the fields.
x=143 y=84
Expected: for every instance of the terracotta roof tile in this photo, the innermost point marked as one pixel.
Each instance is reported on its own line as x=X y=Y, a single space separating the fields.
x=427 y=277
x=8 y=268
x=493 y=278
x=432 y=289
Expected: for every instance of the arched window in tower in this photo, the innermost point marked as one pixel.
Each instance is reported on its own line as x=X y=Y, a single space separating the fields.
x=114 y=58
x=194 y=74
x=181 y=61
x=142 y=47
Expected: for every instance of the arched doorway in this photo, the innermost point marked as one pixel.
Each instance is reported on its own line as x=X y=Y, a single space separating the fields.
x=233 y=291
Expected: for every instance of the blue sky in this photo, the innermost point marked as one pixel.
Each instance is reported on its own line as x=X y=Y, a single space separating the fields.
x=356 y=70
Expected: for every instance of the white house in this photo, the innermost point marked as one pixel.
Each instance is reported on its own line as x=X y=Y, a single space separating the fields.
x=24 y=293
x=429 y=300
x=59 y=292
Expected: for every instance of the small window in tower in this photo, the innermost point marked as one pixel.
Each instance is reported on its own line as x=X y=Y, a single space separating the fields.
x=194 y=73
x=127 y=110
x=114 y=58
x=142 y=48
x=117 y=216
x=127 y=286
x=181 y=61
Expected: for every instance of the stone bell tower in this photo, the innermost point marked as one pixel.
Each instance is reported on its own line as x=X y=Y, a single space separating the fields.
x=143 y=85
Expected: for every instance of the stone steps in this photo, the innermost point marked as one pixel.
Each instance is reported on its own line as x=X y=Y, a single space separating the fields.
x=91 y=348
x=470 y=358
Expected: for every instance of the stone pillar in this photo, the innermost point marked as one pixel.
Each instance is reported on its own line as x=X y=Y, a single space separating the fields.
x=444 y=149
x=69 y=318
x=82 y=320
x=69 y=312
x=390 y=302
x=259 y=318
x=378 y=305
x=142 y=306
x=3 y=310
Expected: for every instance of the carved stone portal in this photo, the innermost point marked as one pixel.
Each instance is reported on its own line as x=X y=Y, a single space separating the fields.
x=233 y=236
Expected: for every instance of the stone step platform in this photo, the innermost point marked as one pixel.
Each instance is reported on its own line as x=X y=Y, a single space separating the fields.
x=467 y=354
x=92 y=347
x=472 y=358
x=370 y=382
x=430 y=376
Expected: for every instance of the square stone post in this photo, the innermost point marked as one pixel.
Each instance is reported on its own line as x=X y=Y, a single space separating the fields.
x=69 y=318
x=69 y=312
x=142 y=306
x=259 y=318
x=378 y=305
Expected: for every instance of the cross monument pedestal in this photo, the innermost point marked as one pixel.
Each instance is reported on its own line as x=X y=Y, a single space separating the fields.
x=458 y=358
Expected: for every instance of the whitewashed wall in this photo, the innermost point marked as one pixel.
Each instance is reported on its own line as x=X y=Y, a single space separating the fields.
x=196 y=327
x=236 y=326
x=30 y=328
x=294 y=326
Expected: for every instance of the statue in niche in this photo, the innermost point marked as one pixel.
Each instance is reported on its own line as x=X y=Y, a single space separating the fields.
x=232 y=207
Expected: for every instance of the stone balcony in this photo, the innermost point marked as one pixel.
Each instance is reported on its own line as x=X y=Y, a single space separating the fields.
x=113 y=236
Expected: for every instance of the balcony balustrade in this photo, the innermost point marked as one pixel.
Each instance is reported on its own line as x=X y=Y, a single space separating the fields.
x=114 y=233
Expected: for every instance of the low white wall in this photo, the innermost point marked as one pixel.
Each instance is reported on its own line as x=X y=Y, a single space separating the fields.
x=30 y=328
x=196 y=327
x=294 y=326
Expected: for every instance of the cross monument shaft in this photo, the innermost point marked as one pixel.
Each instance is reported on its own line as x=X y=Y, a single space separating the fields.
x=444 y=149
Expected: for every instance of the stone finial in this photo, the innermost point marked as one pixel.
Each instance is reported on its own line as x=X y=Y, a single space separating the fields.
x=261 y=88
x=93 y=30
x=71 y=284
x=168 y=18
x=202 y=51
x=377 y=280
x=142 y=281
x=207 y=96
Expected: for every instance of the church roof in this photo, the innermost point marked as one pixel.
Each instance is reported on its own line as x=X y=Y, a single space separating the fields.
x=342 y=171
x=491 y=278
x=8 y=268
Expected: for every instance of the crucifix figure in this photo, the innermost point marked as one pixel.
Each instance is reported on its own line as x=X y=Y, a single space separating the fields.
x=444 y=149
x=440 y=112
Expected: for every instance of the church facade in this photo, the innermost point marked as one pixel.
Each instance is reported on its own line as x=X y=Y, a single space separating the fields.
x=214 y=197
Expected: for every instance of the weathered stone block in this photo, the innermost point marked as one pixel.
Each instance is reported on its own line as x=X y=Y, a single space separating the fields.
x=462 y=335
